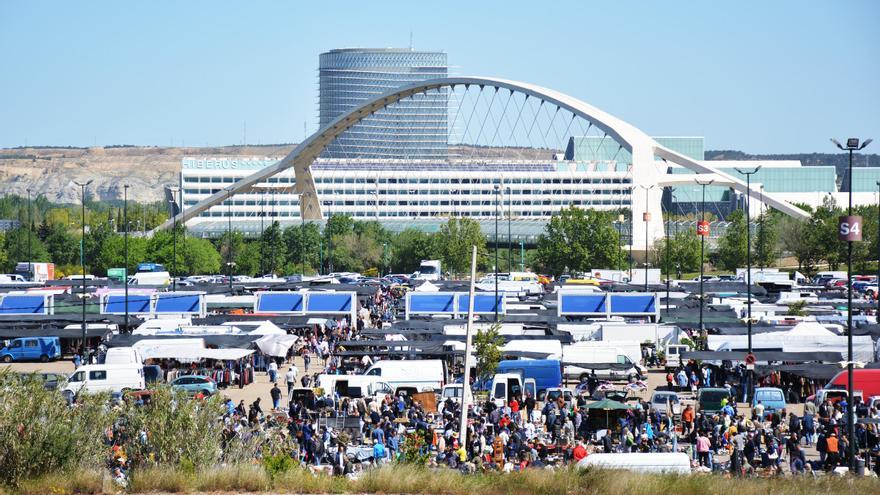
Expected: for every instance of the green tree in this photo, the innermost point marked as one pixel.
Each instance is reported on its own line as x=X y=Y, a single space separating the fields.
x=797 y=238
x=454 y=243
x=487 y=350
x=247 y=259
x=409 y=248
x=766 y=239
x=63 y=246
x=113 y=254
x=4 y=256
x=733 y=244
x=303 y=243
x=200 y=257
x=274 y=250
x=578 y=240
x=684 y=253
x=16 y=247
x=823 y=226
x=231 y=246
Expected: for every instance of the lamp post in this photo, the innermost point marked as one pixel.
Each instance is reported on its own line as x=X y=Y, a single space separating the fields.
x=849 y=234
x=497 y=190
x=761 y=228
x=702 y=231
x=173 y=190
x=646 y=217
x=262 y=231
x=749 y=175
x=82 y=262
x=620 y=219
x=125 y=233
x=29 y=233
x=229 y=238
x=877 y=291
x=302 y=244
x=509 y=237
x=666 y=265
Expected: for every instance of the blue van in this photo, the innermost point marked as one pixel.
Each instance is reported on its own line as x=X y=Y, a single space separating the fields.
x=31 y=349
x=547 y=373
x=773 y=399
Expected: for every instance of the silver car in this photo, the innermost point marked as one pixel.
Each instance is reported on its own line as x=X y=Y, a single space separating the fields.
x=661 y=400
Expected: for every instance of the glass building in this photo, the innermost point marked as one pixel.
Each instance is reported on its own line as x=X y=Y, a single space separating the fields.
x=415 y=128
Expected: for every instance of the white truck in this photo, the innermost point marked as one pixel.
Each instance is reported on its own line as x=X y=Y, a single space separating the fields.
x=582 y=358
x=428 y=270
x=421 y=374
x=160 y=279
x=93 y=378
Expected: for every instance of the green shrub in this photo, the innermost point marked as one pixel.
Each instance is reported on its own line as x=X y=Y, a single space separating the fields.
x=276 y=464
x=40 y=434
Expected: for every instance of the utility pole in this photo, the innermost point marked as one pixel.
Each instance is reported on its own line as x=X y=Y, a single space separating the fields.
x=229 y=261
x=82 y=262
x=125 y=221
x=850 y=230
x=703 y=232
x=748 y=175
x=509 y=237
x=497 y=189
x=646 y=217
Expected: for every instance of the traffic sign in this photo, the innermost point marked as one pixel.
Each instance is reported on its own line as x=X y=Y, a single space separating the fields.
x=849 y=228
x=750 y=359
x=703 y=228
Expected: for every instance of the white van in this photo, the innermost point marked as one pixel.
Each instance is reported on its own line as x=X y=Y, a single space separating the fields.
x=123 y=355
x=506 y=386
x=150 y=278
x=93 y=378
x=423 y=374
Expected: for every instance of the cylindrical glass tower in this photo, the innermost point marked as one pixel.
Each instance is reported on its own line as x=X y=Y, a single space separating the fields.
x=415 y=128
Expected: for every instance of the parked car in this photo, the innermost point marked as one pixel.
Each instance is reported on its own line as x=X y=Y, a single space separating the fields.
x=193 y=384
x=662 y=400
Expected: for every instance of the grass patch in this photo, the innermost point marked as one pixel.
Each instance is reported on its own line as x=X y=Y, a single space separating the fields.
x=253 y=478
x=80 y=481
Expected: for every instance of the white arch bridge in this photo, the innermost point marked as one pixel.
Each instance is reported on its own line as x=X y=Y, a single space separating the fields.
x=650 y=160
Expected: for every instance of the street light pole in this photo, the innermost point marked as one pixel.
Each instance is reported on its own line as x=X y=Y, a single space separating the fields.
x=497 y=189
x=852 y=144
x=646 y=217
x=29 y=233
x=82 y=262
x=877 y=291
x=125 y=221
x=262 y=231
x=702 y=234
x=229 y=238
x=668 y=275
x=748 y=175
x=509 y=237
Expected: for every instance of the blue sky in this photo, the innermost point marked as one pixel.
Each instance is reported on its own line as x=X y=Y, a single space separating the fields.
x=762 y=77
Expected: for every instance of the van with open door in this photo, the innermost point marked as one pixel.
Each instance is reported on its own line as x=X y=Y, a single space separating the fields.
x=506 y=386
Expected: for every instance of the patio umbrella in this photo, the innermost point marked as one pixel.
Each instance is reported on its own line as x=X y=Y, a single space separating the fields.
x=608 y=405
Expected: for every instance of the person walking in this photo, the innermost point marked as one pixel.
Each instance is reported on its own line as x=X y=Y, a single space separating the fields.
x=290 y=378
x=275 y=393
x=273 y=370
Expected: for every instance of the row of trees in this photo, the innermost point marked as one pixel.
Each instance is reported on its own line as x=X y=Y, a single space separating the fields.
x=574 y=240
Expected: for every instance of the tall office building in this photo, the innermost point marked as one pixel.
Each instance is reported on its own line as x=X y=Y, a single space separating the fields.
x=415 y=128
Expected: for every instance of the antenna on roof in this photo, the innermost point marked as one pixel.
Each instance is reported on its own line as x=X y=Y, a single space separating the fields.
x=410 y=40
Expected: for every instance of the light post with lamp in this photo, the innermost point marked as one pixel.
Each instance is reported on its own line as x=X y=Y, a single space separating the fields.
x=849 y=229
x=703 y=232
x=82 y=263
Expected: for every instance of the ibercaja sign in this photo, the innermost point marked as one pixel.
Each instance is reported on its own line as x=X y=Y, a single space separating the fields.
x=849 y=228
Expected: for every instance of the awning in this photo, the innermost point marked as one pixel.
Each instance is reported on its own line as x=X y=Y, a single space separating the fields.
x=799 y=357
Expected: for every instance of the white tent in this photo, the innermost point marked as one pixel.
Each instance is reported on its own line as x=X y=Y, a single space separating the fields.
x=276 y=344
x=265 y=327
x=427 y=287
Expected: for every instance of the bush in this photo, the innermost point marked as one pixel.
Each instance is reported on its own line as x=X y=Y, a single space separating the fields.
x=41 y=435
x=276 y=464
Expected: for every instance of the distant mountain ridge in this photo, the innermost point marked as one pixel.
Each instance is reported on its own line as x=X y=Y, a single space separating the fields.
x=840 y=161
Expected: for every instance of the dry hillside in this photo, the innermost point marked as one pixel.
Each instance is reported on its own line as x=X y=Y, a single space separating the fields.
x=52 y=171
